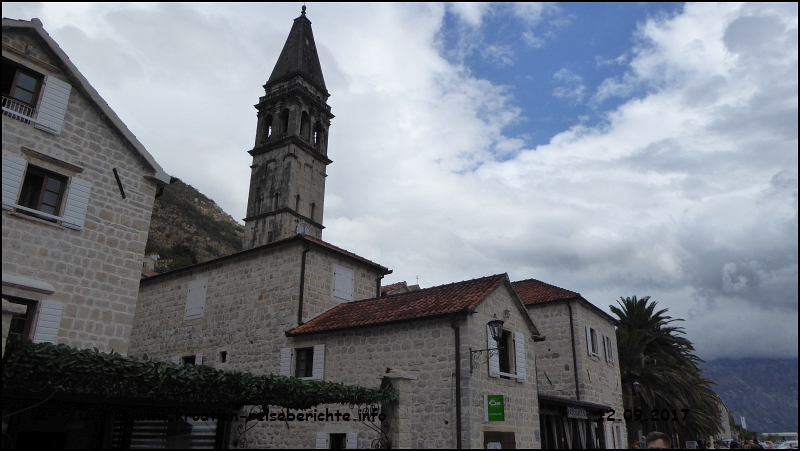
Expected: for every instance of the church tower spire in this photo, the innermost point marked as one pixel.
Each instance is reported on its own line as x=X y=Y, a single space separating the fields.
x=290 y=156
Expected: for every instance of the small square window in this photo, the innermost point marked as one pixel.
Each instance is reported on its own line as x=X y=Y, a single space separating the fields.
x=20 y=84
x=223 y=357
x=42 y=190
x=338 y=441
x=188 y=360
x=303 y=362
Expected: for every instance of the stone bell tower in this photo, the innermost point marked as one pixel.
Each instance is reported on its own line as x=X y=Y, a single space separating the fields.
x=287 y=179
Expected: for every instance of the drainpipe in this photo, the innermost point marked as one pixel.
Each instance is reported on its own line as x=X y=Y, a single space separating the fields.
x=457 y=332
x=378 y=286
x=574 y=353
x=302 y=284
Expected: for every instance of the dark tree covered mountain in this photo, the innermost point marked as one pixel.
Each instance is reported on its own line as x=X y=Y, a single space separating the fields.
x=764 y=391
x=187 y=227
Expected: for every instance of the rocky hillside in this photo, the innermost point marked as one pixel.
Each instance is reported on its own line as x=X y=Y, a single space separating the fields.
x=188 y=227
x=764 y=391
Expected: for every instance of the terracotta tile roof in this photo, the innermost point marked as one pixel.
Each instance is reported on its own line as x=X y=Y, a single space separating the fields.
x=532 y=291
x=148 y=273
x=330 y=246
x=444 y=299
x=393 y=286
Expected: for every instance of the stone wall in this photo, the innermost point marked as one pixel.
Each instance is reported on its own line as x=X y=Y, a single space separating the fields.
x=251 y=300
x=554 y=355
x=522 y=405
x=95 y=271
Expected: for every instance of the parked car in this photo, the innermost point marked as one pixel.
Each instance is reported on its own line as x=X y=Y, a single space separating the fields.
x=789 y=444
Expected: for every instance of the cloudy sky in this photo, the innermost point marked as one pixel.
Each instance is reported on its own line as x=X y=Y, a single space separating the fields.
x=611 y=149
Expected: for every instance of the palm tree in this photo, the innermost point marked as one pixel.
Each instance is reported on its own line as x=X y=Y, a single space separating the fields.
x=654 y=353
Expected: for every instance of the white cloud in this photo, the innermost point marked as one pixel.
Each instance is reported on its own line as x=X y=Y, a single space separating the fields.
x=696 y=174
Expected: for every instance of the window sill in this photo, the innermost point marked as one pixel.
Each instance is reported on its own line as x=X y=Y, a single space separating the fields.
x=34 y=217
x=509 y=376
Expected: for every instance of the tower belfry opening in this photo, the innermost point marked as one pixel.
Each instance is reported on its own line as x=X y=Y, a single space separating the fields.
x=290 y=155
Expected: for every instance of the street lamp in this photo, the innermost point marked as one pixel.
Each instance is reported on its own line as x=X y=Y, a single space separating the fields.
x=496 y=329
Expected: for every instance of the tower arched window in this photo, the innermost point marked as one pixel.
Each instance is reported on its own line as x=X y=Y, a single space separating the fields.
x=268 y=127
x=318 y=134
x=305 y=126
x=285 y=121
x=297 y=203
x=275 y=199
x=311 y=216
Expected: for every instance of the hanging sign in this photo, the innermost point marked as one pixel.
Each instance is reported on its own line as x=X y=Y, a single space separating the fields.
x=495 y=408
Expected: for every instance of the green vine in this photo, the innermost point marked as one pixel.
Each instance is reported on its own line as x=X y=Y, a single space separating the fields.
x=31 y=367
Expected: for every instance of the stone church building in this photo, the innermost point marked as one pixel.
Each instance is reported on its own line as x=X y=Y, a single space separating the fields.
x=295 y=305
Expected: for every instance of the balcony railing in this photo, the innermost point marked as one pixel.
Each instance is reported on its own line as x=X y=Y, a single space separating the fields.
x=18 y=110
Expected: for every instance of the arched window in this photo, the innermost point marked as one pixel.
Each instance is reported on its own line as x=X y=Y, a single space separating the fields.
x=318 y=134
x=297 y=203
x=268 y=127
x=275 y=199
x=257 y=207
x=285 y=121
x=313 y=207
x=305 y=126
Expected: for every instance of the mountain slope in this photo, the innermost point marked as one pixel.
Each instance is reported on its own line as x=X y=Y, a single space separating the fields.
x=187 y=227
x=764 y=391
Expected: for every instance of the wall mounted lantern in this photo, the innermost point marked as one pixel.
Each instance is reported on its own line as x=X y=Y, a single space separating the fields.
x=496 y=329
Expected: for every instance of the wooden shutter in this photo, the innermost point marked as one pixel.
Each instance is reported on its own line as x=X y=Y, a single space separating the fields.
x=519 y=351
x=53 y=107
x=322 y=441
x=343 y=283
x=198 y=359
x=13 y=170
x=286 y=362
x=318 y=368
x=612 y=350
x=605 y=347
x=77 y=201
x=352 y=440
x=196 y=299
x=609 y=435
x=494 y=360
x=175 y=359
x=48 y=322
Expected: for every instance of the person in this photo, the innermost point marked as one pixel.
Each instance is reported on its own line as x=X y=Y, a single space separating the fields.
x=634 y=445
x=657 y=440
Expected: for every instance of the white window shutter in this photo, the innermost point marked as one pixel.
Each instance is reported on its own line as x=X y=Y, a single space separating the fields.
x=318 y=368
x=597 y=341
x=13 y=170
x=609 y=436
x=286 y=362
x=612 y=350
x=352 y=440
x=605 y=348
x=53 y=107
x=322 y=441
x=49 y=321
x=343 y=283
x=198 y=359
x=519 y=352
x=196 y=299
x=175 y=359
x=494 y=360
x=77 y=201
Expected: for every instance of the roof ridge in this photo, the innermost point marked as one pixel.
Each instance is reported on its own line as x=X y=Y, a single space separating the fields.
x=543 y=282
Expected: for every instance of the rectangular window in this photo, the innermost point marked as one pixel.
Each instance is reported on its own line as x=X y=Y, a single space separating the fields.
x=21 y=88
x=608 y=344
x=506 y=353
x=592 y=341
x=338 y=441
x=42 y=190
x=303 y=362
x=18 y=317
x=188 y=360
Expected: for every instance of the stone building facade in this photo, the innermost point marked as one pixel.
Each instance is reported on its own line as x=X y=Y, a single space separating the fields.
x=78 y=190
x=577 y=368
